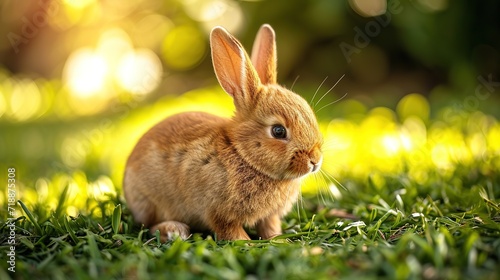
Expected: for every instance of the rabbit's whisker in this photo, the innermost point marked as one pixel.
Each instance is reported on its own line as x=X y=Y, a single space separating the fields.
x=294 y=81
x=299 y=202
x=326 y=93
x=321 y=184
x=332 y=178
x=330 y=145
x=300 y=206
x=331 y=103
x=316 y=92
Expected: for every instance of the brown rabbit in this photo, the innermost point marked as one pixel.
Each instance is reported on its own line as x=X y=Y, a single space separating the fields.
x=199 y=171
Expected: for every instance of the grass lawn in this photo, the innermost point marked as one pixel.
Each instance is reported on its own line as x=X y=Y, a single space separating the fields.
x=414 y=197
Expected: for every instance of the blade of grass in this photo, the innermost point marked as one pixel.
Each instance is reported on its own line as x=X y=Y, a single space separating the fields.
x=62 y=200
x=117 y=216
x=93 y=249
x=157 y=235
x=38 y=229
x=27 y=242
x=70 y=231
x=56 y=224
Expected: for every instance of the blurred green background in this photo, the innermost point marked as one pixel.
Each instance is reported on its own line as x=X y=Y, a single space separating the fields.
x=82 y=80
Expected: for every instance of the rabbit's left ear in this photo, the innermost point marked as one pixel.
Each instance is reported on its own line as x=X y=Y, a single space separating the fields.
x=264 y=55
x=233 y=69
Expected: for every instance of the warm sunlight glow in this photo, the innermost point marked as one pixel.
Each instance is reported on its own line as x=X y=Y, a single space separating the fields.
x=113 y=44
x=3 y=104
x=85 y=73
x=215 y=12
x=139 y=72
x=494 y=139
x=25 y=100
x=335 y=191
x=42 y=188
x=441 y=157
x=205 y=10
x=95 y=77
x=406 y=142
x=376 y=143
x=101 y=188
x=78 y=4
x=72 y=211
x=391 y=144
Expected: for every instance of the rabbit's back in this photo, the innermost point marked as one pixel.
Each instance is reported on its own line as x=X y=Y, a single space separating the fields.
x=172 y=166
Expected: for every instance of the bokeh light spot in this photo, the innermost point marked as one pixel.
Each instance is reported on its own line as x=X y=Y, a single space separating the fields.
x=75 y=12
x=25 y=100
x=42 y=188
x=433 y=5
x=150 y=31
x=101 y=188
x=113 y=45
x=85 y=73
x=415 y=129
x=215 y=12
x=352 y=109
x=441 y=157
x=184 y=47
x=205 y=10
x=406 y=141
x=391 y=144
x=3 y=103
x=494 y=139
x=413 y=105
x=477 y=144
x=78 y=4
x=72 y=211
x=139 y=72
x=384 y=112
x=369 y=8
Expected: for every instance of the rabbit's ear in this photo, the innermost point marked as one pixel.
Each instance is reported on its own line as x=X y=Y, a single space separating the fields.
x=233 y=68
x=264 y=54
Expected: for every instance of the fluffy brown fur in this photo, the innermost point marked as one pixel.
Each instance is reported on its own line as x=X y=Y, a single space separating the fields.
x=202 y=172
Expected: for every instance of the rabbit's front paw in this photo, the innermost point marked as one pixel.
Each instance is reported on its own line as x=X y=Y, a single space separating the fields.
x=269 y=227
x=169 y=230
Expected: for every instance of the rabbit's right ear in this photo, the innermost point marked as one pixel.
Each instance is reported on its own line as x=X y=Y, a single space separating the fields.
x=233 y=68
x=264 y=55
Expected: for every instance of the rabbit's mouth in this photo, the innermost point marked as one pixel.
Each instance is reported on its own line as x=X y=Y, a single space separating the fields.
x=315 y=165
x=303 y=163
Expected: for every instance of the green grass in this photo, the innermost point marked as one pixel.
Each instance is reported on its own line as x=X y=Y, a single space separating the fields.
x=394 y=217
x=456 y=234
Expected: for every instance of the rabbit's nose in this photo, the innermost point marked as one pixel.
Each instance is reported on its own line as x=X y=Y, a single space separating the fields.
x=315 y=167
x=316 y=164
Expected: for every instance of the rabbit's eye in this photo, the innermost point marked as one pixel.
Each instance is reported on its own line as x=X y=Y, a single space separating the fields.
x=278 y=131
